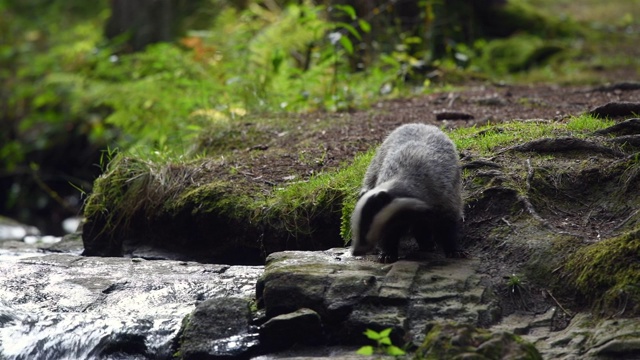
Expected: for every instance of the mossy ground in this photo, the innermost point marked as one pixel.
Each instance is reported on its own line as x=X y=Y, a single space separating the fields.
x=607 y=274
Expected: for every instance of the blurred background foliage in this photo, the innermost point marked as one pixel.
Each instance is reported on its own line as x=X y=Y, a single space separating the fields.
x=79 y=79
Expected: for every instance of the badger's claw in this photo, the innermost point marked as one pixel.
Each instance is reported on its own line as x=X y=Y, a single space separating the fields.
x=386 y=258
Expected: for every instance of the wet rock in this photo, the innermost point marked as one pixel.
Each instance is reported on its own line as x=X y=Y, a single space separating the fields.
x=352 y=294
x=121 y=346
x=218 y=329
x=68 y=306
x=303 y=326
x=14 y=230
x=70 y=243
x=463 y=341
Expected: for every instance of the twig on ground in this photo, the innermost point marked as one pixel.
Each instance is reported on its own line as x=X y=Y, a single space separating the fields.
x=559 y=305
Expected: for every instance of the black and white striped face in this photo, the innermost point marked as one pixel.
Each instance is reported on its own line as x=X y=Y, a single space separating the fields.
x=362 y=219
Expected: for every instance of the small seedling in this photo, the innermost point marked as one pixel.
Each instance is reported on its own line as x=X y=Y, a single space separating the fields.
x=383 y=344
x=514 y=283
x=518 y=291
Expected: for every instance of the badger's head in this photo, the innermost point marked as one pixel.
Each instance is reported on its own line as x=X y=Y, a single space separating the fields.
x=368 y=206
x=377 y=214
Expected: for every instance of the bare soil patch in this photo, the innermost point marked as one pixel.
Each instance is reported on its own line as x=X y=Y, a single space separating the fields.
x=323 y=141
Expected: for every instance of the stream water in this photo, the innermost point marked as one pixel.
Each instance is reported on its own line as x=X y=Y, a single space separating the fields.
x=66 y=306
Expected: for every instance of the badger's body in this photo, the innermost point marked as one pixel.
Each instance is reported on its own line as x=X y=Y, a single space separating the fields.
x=412 y=186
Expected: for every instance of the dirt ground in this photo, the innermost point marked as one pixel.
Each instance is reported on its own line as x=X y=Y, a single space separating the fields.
x=323 y=141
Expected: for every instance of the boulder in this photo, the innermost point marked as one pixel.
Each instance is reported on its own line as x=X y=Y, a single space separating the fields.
x=301 y=327
x=219 y=328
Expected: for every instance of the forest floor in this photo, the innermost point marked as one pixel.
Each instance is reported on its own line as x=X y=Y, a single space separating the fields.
x=311 y=143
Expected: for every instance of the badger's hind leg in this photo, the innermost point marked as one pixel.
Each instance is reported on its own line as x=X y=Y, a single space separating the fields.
x=446 y=232
x=390 y=243
x=423 y=233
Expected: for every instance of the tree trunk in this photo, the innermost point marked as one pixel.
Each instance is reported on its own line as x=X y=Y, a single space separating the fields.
x=141 y=22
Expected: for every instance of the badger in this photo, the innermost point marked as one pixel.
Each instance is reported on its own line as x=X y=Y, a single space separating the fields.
x=411 y=187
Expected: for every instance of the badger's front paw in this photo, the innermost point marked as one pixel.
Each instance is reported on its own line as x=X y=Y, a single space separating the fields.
x=385 y=258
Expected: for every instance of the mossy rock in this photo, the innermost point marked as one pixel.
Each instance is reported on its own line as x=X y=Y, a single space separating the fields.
x=463 y=341
x=606 y=275
x=184 y=210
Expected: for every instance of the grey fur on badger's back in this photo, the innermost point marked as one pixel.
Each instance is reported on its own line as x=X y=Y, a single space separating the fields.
x=413 y=184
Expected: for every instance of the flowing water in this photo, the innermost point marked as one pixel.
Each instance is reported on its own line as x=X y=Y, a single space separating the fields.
x=65 y=306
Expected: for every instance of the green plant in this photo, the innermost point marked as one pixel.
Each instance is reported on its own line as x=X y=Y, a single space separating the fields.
x=518 y=291
x=588 y=123
x=514 y=283
x=383 y=344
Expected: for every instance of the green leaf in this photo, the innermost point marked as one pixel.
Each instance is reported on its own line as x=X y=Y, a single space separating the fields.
x=350 y=29
x=385 y=341
x=395 y=351
x=347 y=9
x=365 y=350
x=364 y=25
x=385 y=333
x=346 y=44
x=373 y=335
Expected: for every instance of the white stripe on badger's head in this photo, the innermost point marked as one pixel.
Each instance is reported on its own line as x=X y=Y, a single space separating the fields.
x=373 y=214
x=397 y=207
x=367 y=207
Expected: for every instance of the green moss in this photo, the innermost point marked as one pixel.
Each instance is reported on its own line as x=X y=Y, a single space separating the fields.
x=486 y=139
x=458 y=341
x=607 y=273
x=215 y=197
x=588 y=123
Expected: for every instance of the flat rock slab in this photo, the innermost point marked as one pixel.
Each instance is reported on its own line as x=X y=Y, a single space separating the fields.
x=62 y=305
x=353 y=294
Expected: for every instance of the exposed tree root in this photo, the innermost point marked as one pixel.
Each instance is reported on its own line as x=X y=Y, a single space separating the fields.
x=563 y=144
x=621 y=86
x=527 y=203
x=476 y=164
x=627 y=127
x=616 y=109
x=632 y=140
